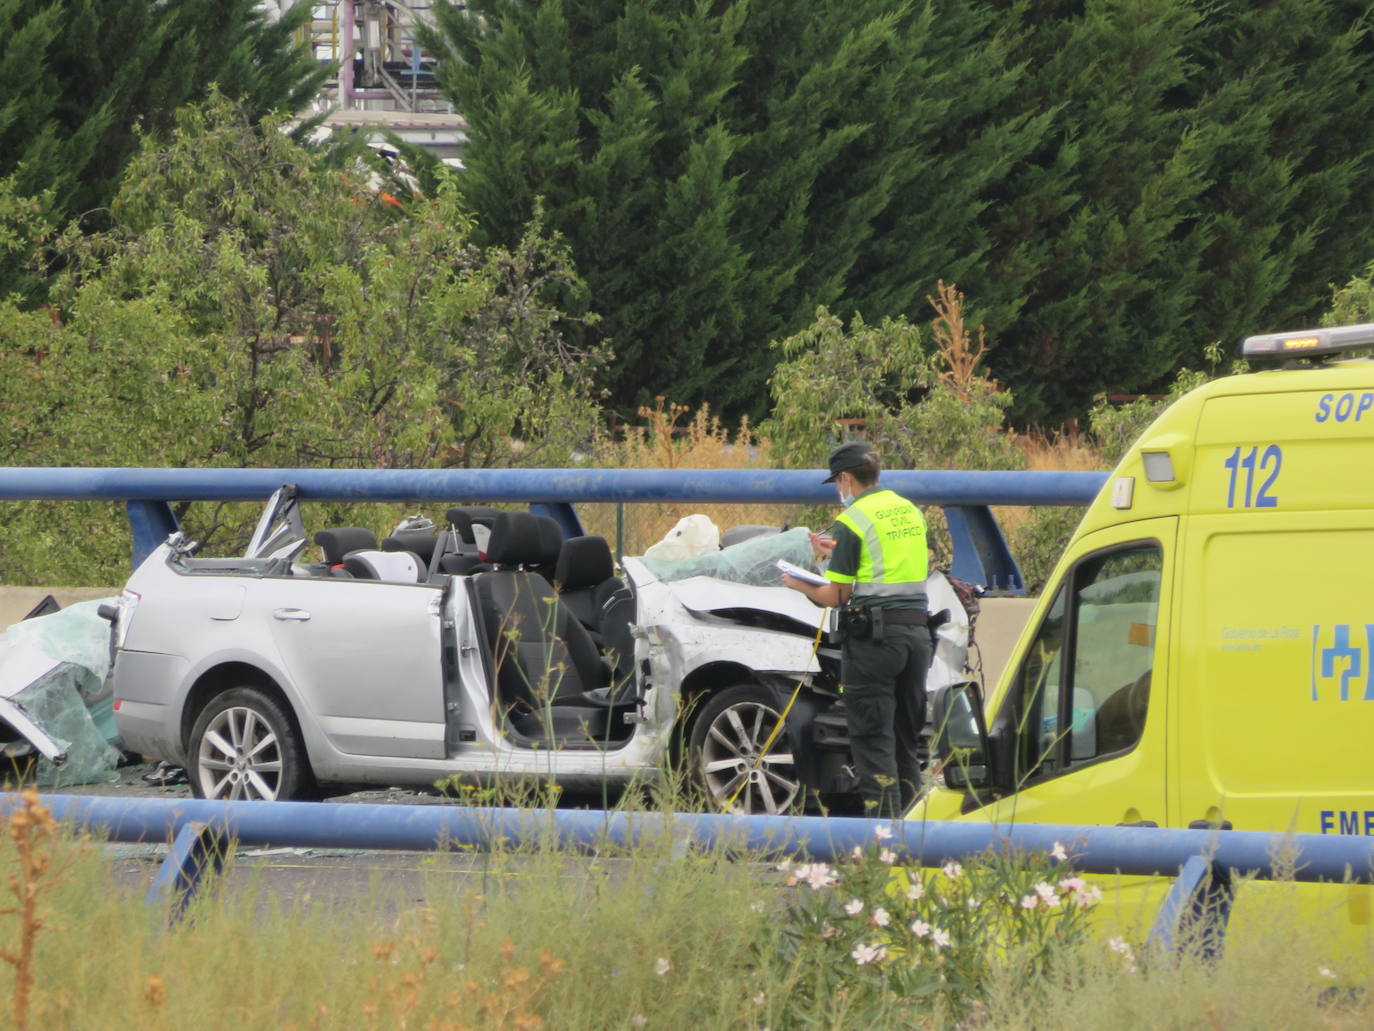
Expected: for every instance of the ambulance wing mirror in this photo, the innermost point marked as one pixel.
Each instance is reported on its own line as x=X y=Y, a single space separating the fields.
x=960 y=739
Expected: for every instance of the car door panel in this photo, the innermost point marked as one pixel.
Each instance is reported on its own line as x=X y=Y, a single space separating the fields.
x=365 y=658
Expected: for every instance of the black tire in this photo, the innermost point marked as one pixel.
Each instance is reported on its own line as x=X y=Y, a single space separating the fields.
x=244 y=746
x=723 y=753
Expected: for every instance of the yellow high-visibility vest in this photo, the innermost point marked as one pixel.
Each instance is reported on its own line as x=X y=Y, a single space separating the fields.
x=892 y=561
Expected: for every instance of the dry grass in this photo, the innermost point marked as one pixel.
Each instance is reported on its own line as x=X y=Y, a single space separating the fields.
x=672 y=439
x=1057 y=452
x=660 y=938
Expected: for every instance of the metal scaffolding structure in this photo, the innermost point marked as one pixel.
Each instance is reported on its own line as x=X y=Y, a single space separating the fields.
x=382 y=77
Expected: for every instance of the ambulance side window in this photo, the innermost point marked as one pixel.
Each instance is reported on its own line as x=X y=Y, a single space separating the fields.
x=1085 y=683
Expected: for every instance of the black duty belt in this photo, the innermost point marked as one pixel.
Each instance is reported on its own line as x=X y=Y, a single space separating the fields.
x=904 y=617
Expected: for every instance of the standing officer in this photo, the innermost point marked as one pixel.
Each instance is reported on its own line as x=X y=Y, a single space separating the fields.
x=877 y=577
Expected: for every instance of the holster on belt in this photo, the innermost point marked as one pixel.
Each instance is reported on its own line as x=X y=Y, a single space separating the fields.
x=862 y=623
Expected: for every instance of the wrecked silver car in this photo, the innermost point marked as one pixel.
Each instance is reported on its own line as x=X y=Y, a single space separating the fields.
x=490 y=648
x=56 y=710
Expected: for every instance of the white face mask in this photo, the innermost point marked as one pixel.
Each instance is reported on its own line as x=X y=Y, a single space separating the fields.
x=845 y=499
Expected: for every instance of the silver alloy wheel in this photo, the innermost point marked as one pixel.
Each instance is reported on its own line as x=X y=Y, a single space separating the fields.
x=732 y=767
x=240 y=756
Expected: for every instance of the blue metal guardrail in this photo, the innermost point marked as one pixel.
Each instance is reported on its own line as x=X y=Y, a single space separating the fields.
x=981 y=554
x=1203 y=862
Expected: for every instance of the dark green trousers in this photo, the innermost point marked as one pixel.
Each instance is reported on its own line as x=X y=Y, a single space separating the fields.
x=885 y=701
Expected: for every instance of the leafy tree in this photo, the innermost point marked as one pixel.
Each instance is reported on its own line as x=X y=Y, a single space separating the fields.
x=77 y=76
x=1093 y=280
x=1285 y=85
x=921 y=406
x=1353 y=303
x=1206 y=176
x=719 y=170
x=252 y=306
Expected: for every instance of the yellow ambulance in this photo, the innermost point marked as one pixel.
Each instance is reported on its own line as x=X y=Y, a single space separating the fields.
x=1203 y=655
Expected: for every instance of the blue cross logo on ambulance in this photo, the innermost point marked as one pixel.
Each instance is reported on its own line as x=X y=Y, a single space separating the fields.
x=1340 y=660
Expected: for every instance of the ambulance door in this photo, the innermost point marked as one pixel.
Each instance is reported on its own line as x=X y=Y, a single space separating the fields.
x=1082 y=724
x=1277 y=711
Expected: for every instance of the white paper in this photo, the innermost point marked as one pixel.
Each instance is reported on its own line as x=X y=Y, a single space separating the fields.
x=805 y=575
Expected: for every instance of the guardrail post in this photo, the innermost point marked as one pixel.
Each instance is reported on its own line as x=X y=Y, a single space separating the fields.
x=199 y=843
x=1196 y=910
x=151 y=522
x=564 y=513
x=981 y=555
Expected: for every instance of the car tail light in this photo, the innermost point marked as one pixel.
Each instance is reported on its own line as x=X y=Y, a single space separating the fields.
x=124 y=614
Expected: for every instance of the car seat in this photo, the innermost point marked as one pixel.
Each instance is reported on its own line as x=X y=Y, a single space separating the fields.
x=584 y=566
x=339 y=541
x=550 y=547
x=420 y=542
x=401 y=567
x=545 y=662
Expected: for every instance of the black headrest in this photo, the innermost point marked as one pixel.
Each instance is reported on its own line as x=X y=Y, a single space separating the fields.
x=584 y=562
x=550 y=540
x=515 y=540
x=339 y=541
x=421 y=542
x=463 y=516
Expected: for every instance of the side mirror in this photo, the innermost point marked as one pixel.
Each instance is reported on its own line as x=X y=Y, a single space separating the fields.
x=960 y=738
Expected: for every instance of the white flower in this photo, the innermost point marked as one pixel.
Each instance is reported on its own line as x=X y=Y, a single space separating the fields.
x=952 y=869
x=920 y=928
x=756 y=907
x=915 y=890
x=854 y=907
x=1047 y=894
x=1058 y=853
x=868 y=954
x=857 y=852
x=879 y=917
x=939 y=938
x=1072 y=884
x=1326 y=972
x=818 y=875
x=662 y=966
x=887 y=856
x=882 y=832
x=1087 y=895
x=760 y=999
x=1030 y=901
x=1120 y=946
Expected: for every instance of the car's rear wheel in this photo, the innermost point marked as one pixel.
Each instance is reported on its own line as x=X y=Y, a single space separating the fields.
x=728 y=757
x=243 y=746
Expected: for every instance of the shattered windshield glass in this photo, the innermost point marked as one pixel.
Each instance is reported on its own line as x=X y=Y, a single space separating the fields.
x=53 y=699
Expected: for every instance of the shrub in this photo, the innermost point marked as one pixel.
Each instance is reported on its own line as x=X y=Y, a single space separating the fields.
x=868 y=940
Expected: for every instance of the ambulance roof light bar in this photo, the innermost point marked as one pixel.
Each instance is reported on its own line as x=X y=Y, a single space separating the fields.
x=1309 y=342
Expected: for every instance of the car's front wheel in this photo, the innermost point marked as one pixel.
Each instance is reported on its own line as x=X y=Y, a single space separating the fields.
x=244 y=746
x=732 y=758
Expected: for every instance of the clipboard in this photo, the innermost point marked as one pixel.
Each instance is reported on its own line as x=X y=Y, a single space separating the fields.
x=805 y=575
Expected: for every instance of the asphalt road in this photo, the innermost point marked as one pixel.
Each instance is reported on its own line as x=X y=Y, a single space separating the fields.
x=288 y=877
